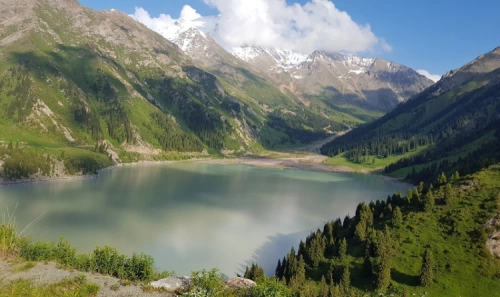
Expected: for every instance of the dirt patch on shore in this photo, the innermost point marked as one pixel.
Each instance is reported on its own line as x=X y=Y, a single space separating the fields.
x=51 y=273
x=309 y=162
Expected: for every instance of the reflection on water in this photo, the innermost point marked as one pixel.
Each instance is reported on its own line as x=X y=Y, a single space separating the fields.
x=192 y=216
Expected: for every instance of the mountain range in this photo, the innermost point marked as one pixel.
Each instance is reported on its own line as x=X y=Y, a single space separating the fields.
x=100 y=84
x=99 y=87
x=329 y=82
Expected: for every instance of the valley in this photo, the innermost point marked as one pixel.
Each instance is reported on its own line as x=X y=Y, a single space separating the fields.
x=270 y=141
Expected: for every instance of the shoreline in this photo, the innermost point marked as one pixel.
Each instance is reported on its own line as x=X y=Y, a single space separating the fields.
x=306 y=163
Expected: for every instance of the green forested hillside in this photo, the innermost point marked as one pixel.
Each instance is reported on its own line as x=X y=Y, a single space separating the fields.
x=432 y=241
x=451 y=126
x=98 y=85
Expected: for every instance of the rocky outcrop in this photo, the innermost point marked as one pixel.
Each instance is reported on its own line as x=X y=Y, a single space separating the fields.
x=173 y=284
x=493 y=242
x=240 y=283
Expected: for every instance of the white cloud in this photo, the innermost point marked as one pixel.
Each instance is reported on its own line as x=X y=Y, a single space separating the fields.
x=433 y=77
x=316 y=25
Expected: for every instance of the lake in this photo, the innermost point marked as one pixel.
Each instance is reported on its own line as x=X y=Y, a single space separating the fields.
x=191 y=216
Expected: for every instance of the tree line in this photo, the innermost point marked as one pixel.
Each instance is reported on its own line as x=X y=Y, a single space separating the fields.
x=325 y=264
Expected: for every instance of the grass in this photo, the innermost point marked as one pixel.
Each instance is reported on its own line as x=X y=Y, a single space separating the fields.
x=379 y=163
x=454 y=232
x=77 y=286
x=25 y=266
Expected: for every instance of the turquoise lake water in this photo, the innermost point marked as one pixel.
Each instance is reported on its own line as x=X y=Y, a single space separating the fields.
x=191 y=216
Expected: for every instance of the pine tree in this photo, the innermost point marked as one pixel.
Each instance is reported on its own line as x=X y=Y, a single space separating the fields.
x=409 y=196
x=255 y=272
x=360 y=230
x=421 y=187
x=386 y=252
x=277 y=273
x=323 y=289
x=441 y=180
x=345 y=281
x=426 y=273
x=429 y=201
x=343 y=249
x=397 y=217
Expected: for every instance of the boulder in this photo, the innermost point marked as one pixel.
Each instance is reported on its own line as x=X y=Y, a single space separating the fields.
x=240 y=283
x=172 y=283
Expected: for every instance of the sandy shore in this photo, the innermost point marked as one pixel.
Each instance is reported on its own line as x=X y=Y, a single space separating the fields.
x=312 y=163
x=307 y=162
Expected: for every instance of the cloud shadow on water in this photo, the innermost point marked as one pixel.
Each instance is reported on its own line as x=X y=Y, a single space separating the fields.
x=276 y=246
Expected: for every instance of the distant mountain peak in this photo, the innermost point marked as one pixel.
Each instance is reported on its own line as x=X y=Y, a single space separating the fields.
x=172 y=32
x=284 y=58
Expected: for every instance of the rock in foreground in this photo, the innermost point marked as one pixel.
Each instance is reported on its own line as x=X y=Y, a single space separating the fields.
x=240 y=283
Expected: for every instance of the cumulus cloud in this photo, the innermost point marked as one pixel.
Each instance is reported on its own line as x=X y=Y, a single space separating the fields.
x=316 y=25
x=433 y=77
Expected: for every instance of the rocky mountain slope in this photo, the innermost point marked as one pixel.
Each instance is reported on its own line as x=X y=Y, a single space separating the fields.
x=452 y=126
x=368 y=82
x=347 y=88
x=97 y=87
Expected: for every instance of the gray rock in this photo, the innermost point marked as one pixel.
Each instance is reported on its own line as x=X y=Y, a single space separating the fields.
x=172 y=283
x=240 y=283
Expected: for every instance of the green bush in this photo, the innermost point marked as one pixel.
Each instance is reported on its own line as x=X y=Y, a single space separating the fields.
x=138 y=267
x=270 y=288
x=211 y=282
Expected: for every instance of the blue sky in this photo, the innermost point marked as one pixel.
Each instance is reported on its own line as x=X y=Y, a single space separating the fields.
x=437 y=35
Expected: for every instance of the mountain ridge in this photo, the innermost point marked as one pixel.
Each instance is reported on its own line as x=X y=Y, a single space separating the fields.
x=451 y=126
x=285 y=69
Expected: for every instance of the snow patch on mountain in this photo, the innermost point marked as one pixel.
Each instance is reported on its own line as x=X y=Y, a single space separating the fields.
x=190 y=40
x=286 y=58
x=246 y=54
x=173 y=31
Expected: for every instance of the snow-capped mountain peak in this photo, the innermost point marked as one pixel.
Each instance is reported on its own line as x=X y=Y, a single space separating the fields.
x=172 y=32
x=284 y=59
x=190 y=39
x=247 y=53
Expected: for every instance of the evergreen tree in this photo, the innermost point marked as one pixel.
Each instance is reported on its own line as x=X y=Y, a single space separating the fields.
x=360 y=230
x=345 y=281
x=386 y=251
x=323 y=289
x=429 y=201
x=277 y=273
x=426 y=273
x=409 y=196
x=441 y=180
x=255 y=273
x=343 y=249
x=449 y=194
x=397 y=217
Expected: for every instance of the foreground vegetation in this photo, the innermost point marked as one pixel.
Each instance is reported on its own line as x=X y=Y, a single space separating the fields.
x=78 y=287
